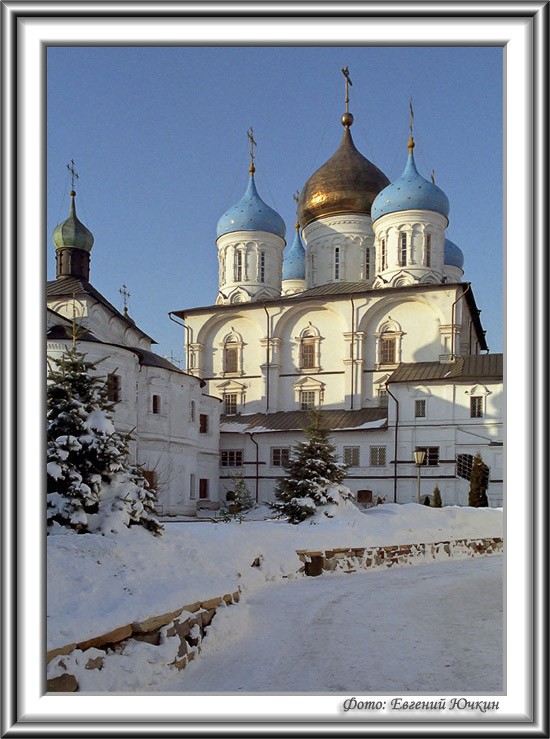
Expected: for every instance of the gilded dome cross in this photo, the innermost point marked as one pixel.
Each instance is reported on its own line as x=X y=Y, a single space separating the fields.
x=345 y=72
x=250 y=135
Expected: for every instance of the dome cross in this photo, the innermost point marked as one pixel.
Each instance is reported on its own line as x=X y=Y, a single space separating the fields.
x=345 y=72
x=74 y=173
x=253 y=143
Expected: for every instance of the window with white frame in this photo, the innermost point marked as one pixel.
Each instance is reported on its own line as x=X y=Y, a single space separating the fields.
x=280 y=455
x=307 y=400
x=476 y=406
x=388 y=343
x=231 y=358
x=204 y=426
x=261 y=270
x=403 y=250
x=428 y=250
x=383 y=396
x=383 y=255
x=367 y=262
x=377 y=456
x=337 y=263
x=420 y=408
x=351 y=456
x=238 y=266
x=432 y=456
x=230 y=403
x=309 y=347
x=231 y=458
x=387 y=350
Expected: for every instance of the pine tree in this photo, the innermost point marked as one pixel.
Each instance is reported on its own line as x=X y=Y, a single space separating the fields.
x=239 y=500
x=91 y=485
x=312 y=470
x=437 y=498
x=477 y=496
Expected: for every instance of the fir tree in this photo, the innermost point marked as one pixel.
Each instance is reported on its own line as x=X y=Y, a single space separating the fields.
x=437 y=498
x=238 y=498
x=91 y=485
x=311 y=471
x=477 y=496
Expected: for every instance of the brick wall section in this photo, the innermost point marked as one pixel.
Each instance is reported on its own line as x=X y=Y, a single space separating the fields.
x=353 y=559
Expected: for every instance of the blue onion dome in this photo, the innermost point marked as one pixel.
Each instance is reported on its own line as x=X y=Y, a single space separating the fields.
x=294 y=261
x=347 y=183
x=453 y=255
x=411 y=191
x=73 y=232
x=251 y=214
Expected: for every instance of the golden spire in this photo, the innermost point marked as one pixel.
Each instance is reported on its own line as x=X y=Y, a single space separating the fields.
x=296 y=197
x=347 y=118
x=250 y=135
x=411 y=118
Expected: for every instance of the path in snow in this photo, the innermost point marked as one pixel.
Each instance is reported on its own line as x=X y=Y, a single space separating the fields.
x=432 y=628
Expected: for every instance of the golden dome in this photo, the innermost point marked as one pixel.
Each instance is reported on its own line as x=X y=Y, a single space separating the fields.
x=347 y=183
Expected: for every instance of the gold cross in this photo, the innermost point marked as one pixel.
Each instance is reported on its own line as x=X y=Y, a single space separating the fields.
x=411 y=116
x=250 y=135
x=125 y=295
x=73 y=172
x=345 y=72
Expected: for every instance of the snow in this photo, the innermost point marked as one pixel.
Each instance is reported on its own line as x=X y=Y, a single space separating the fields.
x=99 y=583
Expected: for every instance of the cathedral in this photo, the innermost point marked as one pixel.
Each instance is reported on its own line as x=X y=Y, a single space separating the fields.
x=364 y=316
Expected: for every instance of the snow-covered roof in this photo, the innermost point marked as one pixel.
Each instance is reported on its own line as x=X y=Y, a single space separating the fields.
x=334 y=420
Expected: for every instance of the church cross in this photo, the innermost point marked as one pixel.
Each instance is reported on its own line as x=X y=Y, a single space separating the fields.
x=74 y=174
x=125 y=295
x=345 y=72
x=411 y=116
x=253 y=143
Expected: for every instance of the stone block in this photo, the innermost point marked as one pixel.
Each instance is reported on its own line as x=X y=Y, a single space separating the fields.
x=155 y=622
x=94 y=664
x=207 y=616
x=151 y=637
x=210 y=604
x=358 y=551
x=62 y=684
x=117 y=635
x=59 y=650
x=227 y=598
x=236 y=596
x=329 y=553
x=180 y=664
x=315 y=566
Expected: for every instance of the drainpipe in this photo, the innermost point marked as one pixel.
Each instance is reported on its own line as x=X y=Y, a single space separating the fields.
x=351 y=351
x=267 y=361
x=395 y=444
x=252 y=439
x=187 y=331
x=453 y=321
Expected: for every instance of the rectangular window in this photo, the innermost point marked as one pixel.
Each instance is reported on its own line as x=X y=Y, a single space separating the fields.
x=262 y=266
x=156 y=404
x=203 y=489
x=307 y=400
x=382 y=398
x=403 y=251
x=351 y=456
x=231 y=359
x=231 y=458
x=337 y=263
x=383 y=260
x=428 y=250
x=420 y=409
x=238 y=266
x=192 y=486
x=432 y=456
x=150 y=476
x=387 y=351
x=307 y=354
x=378 y=456
x=192 y=411
x=230 y=403
x=476 y=406
x=203 y=423
x=113 y=388
x=367 y=263
x=280 y=456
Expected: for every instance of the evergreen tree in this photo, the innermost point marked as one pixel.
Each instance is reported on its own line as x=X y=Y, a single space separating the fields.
x=477 y=496
x=91 y=485
x=239 y=500
x=312 y=470
x=437 y=498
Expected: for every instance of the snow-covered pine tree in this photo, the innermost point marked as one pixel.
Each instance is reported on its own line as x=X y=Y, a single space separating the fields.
x=239 y=500
x=477 y=495
x=312 y=470
x=91 y=485
x=437 y=498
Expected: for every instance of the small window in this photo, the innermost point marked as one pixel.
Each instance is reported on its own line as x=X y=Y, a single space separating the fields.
x=367 y=263
x=464 y=464
x=387 y=351
x=428 y=250
x=238 y=266
x=203 y=489
x=192 y=486
x=151 y=478
x=113 y=388
x=231 y=458
x=192 y=412
x=420 y=409
x=432 y=456
x=230 y=403
x=337 y=263
x=156 y=404
x=383 y=398
x=351 y=456
x=280 y=456
x=364 y=497
x=203 y=423
x=231 y=359
x=307 y=354
x=383 y=255
x=476 y=406
x=403 y=251
x=378 y=456
x=262 y=266
x=307 y=400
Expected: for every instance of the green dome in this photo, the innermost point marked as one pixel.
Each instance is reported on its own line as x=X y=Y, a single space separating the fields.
x=72 y=232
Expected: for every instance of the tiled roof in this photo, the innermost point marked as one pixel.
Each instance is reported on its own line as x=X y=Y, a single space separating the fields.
x=336 y=420
x=69 y=285
x=470 y=367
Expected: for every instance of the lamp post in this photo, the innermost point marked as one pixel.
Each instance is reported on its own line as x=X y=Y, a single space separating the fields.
x=419 y=457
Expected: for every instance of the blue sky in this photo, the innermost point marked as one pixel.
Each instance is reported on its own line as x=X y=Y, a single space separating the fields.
x=158 y=135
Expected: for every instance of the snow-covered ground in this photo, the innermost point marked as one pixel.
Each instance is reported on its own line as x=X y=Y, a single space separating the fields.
x=99 y=583
x=433 y=628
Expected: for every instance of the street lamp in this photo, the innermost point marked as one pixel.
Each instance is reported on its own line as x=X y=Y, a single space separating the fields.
x=419 y=457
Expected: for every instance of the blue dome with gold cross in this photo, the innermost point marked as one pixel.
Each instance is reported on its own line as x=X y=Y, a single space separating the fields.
x=251 y=214
x=410 y=191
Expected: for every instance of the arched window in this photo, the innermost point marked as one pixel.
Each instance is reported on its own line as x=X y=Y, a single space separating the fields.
x=238 y=266
x=428 y=250
x=337 y=263
x=309 y=346
x=232 y=348
x=388 y=343
x=403 y=250
x=261 y=267
x=383 y=255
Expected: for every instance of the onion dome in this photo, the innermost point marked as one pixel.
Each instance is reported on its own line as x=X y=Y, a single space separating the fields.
x=251 y=214
x=453 y=255
x=347 y=183
x=72 y=232
x=410 y=191
x=294 y=261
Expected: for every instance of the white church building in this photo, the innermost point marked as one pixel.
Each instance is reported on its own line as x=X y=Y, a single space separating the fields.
x=364 y=316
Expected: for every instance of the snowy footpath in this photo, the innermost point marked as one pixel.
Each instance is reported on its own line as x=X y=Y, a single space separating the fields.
x=436 y=627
